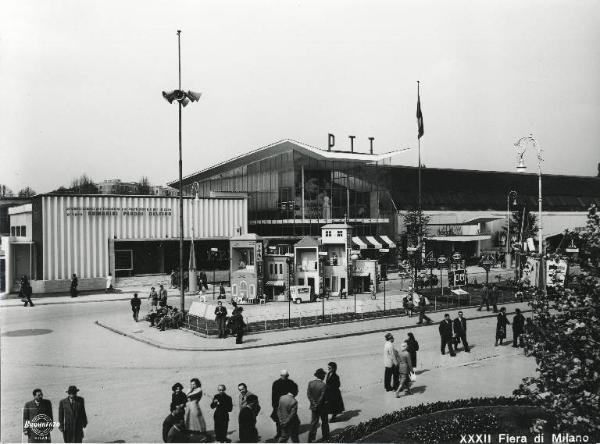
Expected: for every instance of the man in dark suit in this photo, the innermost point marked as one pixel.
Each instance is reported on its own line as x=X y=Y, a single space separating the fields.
x=281 y=386
x=71 y=416
x=135 y=306
x=518 y=327
x=221 y=319
x=316 y=396
x=175 y=416
x=460 y=331
x=223 y=404
x=445 y=329
x=36 y=416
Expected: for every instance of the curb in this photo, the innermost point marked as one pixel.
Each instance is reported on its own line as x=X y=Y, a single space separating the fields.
x=277 y=344
x=81 y=301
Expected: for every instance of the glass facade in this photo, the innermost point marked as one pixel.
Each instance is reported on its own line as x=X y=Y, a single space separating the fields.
x=293 y=189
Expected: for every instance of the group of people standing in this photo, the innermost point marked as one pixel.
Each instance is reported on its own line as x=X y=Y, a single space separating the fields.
x=234 y=324
x=399 y=364
x=38 y=419
x=186 y=423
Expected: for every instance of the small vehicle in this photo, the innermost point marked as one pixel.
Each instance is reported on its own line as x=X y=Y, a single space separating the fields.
x=300 y=293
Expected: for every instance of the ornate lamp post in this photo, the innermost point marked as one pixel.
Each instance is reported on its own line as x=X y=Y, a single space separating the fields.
x=514 y=194
x=182 y=98
x=354 y=258
x=290 y=264
x=214 y=254
x=521 y=146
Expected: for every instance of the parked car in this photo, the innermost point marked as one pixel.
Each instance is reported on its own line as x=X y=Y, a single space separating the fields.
x=300 y=293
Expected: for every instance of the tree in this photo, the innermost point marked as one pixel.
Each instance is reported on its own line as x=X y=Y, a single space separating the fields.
x=5 y=191
x=416 y=223
x=27 y=192
x=144 y=186
x=84 y=185
x=520 y=231
x=564 y=338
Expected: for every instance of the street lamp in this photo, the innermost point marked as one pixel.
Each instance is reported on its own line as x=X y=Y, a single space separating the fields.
x=514 y=195
x=214 y=254
x=354 y=258
x=182 y=98
x=521 y=146
x=290 y=264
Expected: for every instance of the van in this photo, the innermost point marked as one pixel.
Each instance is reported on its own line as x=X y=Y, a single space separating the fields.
x=300 y=293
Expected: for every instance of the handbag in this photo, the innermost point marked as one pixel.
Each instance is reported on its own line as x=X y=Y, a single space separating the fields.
x=412 y=376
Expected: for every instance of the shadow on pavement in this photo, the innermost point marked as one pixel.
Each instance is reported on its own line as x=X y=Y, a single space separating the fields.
x=348 y=414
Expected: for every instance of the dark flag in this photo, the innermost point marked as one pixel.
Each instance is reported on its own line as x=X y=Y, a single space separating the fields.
x=420 y=117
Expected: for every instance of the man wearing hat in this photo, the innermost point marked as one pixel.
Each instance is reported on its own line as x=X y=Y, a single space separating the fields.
x=316 y=396
x=390 y=362
x=281 y=386
x=71 y=416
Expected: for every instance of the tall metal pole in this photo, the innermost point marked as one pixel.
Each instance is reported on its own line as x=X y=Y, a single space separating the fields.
x=182 y=291
x=420 y=234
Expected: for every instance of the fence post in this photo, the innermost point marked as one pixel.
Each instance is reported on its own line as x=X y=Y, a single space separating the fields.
x=265 y=325
x=206 y=327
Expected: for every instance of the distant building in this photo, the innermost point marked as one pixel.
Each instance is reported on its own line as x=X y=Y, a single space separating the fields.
x=116 y=186
x=159 y=190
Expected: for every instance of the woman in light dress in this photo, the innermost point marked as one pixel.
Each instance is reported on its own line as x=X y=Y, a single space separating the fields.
x=194 y=421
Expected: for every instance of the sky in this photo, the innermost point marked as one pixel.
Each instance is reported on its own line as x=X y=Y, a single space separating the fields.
x=81 y=82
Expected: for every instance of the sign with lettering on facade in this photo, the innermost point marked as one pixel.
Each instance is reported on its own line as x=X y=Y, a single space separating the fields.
x=117 y=211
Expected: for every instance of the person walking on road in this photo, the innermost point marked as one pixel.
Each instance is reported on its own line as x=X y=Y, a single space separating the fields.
x=335 y=402
x=501 y=324
x=412 y=347
x=136 y=303
x=445 y=329
x=71 y=416
x=287 y=416
x=485 y=299
x=162 y=296
x=25 y=291
x=249 y=409
x=31 y=414
x=74 y=285
x=281 y=386
x=223 y=404
x=222 y=293
x=221 y=319
x=316 y=394
x=194 y=420
x=238 y=325
x=422 y=309
x=460 y=331
x=518 y=327
x=390 y=362
x=405 y=367
x=494 y=298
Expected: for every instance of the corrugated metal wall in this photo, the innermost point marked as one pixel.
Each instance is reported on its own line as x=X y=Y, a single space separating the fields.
x=76 y=229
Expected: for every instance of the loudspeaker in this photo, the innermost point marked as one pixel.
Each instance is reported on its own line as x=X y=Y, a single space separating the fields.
x=193 y=96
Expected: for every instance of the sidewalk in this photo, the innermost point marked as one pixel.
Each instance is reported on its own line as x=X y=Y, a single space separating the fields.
x=184 y=340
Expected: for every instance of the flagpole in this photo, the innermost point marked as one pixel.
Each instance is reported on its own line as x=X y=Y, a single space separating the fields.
x=420 y=234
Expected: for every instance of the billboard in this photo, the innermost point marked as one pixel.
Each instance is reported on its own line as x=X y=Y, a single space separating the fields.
x=556 y=272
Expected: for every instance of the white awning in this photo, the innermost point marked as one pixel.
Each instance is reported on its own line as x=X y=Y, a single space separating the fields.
x=356 y=240
x=374 y=242
x=387 y=240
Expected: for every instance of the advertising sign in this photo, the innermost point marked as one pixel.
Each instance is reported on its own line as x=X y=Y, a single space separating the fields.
x=259 y=270
x=530 y=272
x=556 y=271
x=456 y=278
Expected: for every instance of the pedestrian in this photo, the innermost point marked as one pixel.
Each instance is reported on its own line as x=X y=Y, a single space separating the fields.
x=334 y=400
x=178 y=432
x=203 y=281
x=518 y=327
x=281 y=386
x=25 y=291
x=318 y=409
x=136 y=303
x=71 y=416
x=175 y=416
x=485 y=299
x=162 y=296
x=222 y=294
x=109 y=286
x=194 y=420
x=422 y=309
x=460 y=331
x=178 y=398
x=502 y=322
x=238 y=324
x=153 y=299
x=407 y=304
x=287 y=416
x=35 y=411
x=405 y=367
x=390 y=362
x=221 y=319
x=186 y=280
x=173 y=277
x=223 y=404
x=412 y=346
x=445 y=329
x=249 y=409
x=74 y=284
x=494 y=298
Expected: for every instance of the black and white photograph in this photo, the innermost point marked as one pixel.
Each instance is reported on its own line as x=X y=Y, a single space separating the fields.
x=308 y=221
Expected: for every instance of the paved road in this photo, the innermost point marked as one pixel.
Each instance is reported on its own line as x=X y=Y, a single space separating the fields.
x=127 y=384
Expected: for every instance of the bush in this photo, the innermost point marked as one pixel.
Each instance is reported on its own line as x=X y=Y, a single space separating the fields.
x=436 y=431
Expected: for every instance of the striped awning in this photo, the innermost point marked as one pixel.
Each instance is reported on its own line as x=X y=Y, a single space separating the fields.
x=375 y=242
x=275 y=284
